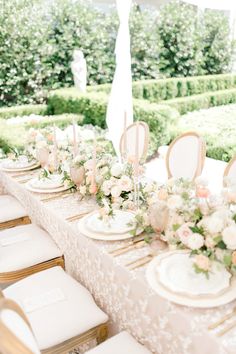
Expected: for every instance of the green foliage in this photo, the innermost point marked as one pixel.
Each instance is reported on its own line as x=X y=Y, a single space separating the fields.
x=93 y=106
x=180 y=50
x=24 y=110
x=205 y=100
x=211 y=124
x=217 y=46
x=165 y=89
x=37 y=39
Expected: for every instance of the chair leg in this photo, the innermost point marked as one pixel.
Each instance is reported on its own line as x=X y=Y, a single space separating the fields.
x=102 y=333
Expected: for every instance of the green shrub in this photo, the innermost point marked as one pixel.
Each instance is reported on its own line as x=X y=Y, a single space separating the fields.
x=211 y=124
x=23 y=110
x=217 y=45
x=165 y=89
x=205 y=100
x=61 y=121
x=93 y=106
x=180 y=46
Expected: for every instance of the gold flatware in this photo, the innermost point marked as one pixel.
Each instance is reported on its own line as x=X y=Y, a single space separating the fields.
x=226 y=329
x=77 y=216
x=137 y=261
x=53 y=197
x=141 y=262
x=130 y=243
x=136 y=245
x=223 y=319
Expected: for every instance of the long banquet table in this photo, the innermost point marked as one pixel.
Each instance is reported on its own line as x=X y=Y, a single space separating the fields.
x=164 y=327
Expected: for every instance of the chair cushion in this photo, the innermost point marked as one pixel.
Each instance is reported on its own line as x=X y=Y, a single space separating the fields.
x=20 y=329
x=24 y=246
x=52 y=324
x=10 y=208
x=119 y=344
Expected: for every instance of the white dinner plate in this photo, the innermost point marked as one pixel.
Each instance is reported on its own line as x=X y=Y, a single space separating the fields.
x=118 y=224
x=82 y=226
x=21 y=162
x=53 y=182
x=31 y=167
x=172 y=276
x=45 y=191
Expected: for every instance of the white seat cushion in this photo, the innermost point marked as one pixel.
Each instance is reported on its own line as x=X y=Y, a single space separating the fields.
x=68 y=317
x=20 y=329
x=122 y=343
x=10 y=208
x=24 y=246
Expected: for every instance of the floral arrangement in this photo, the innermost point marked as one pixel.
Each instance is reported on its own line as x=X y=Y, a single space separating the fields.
x=185 y=216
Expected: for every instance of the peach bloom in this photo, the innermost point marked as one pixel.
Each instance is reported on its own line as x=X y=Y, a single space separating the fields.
x=162 y=194
x=202 y=262
x=231 y=197
x=50 y=137
x=202 y=192
x=184 y=232
x=131 y=159
x=93 y=189
x=234 y=258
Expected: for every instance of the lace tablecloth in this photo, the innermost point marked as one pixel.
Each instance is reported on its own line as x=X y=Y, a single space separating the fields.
x=164 y=327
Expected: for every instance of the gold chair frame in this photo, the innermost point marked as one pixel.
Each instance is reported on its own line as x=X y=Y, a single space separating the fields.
x=15 y=222
x=229 y=165
x=146 y=142
x=14 y=345
x=201 y=156
x=22 y=273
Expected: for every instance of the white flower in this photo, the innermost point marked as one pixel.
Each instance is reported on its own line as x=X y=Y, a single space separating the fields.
x=82 y=190
x=199 y=181
x=128 y=205
x=116 y=191
x=89 y=164
x=116 y=170
x=195 y=241
x=213 y=224
x=106 y=187
x=175 y=202
x=229 y=237
x=125 y=183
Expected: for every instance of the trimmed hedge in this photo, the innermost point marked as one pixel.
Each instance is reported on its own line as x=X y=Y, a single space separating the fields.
x=166 y=89
x=93 y=106
x=23 y=110
x=205 y=100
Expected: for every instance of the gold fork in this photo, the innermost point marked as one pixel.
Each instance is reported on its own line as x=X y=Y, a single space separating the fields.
x=77 y=216
x=53 y=197
x=139 y=262
x=136 y=245
x=223 y=319
x=128 y=244
x=228 y=328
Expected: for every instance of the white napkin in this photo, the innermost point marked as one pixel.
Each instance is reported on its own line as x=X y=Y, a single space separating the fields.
x=10 y=240
x=39 y=301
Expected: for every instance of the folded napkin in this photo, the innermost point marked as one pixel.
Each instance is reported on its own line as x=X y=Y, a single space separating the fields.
x=39 y=301
x=10 y=240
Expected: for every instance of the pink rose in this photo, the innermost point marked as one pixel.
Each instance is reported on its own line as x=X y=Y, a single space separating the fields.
x=184 y=232
x=162 y=194
x=202 y=192
x=93 y=189
x=202 y=262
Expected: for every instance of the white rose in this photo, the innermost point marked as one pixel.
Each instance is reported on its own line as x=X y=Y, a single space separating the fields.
x=195 y=241
x=126 y=184
x=106 y=187
x=116 y=170
x=116 y=191
x=175 y=202
x=229 y=237
x=214 y=224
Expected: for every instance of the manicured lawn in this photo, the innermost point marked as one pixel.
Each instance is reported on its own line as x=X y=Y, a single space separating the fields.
x=217 y=125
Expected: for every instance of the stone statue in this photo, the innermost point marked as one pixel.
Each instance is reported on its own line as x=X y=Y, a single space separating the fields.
x=79 y=70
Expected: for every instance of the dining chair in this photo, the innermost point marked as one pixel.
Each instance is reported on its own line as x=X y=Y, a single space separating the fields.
x=12 y=212
x=61 y=312
x=119 y=344
x=128 y=141
x=186 y=156
x=230 y=170
x=25 y=250
x=15 y=331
